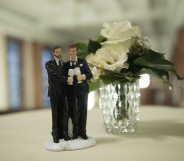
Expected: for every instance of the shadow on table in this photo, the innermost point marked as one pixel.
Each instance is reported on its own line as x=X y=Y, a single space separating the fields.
x=158 y=129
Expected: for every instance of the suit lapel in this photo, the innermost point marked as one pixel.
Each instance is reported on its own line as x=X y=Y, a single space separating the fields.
x=78 y=63
x=55 y=65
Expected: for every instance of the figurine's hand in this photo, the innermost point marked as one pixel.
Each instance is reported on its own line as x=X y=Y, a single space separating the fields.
x=81 y=77
x=70 y=81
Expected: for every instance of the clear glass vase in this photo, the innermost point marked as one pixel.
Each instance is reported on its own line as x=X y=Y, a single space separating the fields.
x=120 y=104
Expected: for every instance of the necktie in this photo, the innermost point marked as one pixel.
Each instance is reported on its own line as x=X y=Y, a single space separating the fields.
x=60 y=66
x=73 y=64
x=60 y=63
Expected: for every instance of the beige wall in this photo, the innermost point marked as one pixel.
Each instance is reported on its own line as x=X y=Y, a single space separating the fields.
x=28 y=76
x=3 y=74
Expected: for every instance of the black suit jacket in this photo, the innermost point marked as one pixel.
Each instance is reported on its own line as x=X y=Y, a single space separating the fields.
x=56 y=78
x=84 y=68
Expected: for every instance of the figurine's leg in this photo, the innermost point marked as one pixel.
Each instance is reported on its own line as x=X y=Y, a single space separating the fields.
x=82 y=105
x=60 y=120
x=64 y=117
x=70 y=104
x=70 y=123
x=73 y=111
x=55 y=116
x=75 y=117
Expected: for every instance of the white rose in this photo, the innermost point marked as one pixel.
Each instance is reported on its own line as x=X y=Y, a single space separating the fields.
x=96 y=72
x=111 y=57
x=90 y=58
x=120 y=31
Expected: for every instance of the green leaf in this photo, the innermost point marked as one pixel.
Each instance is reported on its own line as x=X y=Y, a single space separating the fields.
x=94 y=85
x=161 y=74
x=82 y=50
x=175 y=73
x=154 y=60
x=107 y=79
x=101 y=39
x=93 y=46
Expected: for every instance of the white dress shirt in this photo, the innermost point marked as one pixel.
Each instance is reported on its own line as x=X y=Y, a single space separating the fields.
x=57 y=60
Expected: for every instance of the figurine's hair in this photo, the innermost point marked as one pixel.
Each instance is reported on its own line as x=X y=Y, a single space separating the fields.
x=73 y=46
x=56 y=47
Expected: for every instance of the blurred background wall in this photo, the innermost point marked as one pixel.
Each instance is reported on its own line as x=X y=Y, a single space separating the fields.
x=29 y=30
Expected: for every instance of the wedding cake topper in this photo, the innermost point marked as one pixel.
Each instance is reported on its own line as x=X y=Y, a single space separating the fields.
x=68 y=92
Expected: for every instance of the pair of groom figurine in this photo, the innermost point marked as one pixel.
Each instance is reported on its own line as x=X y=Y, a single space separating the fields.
x=68 y=91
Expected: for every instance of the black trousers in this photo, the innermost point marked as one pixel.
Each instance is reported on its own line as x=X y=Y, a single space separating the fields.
x=72 y=108
x=59 y=113
x=82 y=100
x=77 y=107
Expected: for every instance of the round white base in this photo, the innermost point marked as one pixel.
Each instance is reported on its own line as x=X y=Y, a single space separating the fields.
x=70 y=145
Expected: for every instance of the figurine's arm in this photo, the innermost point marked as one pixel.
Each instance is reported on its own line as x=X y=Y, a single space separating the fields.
x=53 y=74
x=69 y=77
x=65 y=69
x=88 y=74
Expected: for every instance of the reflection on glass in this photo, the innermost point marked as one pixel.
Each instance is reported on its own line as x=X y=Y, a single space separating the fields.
x=45 y=56
x=14 y=75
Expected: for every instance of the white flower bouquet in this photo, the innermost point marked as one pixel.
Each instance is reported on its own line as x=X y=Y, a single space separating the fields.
x=122 y=54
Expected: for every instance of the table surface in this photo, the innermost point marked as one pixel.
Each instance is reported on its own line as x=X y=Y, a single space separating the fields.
x=160 y=137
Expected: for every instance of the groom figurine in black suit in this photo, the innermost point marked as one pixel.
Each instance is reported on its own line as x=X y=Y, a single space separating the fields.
x=56 y=92
x=77 y=92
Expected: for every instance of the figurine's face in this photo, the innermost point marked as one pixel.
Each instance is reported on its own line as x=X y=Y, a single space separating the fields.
x=73 y=53
x=58 y=53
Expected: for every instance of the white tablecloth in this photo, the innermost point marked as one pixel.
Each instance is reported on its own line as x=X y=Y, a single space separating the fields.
x=160 y=138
